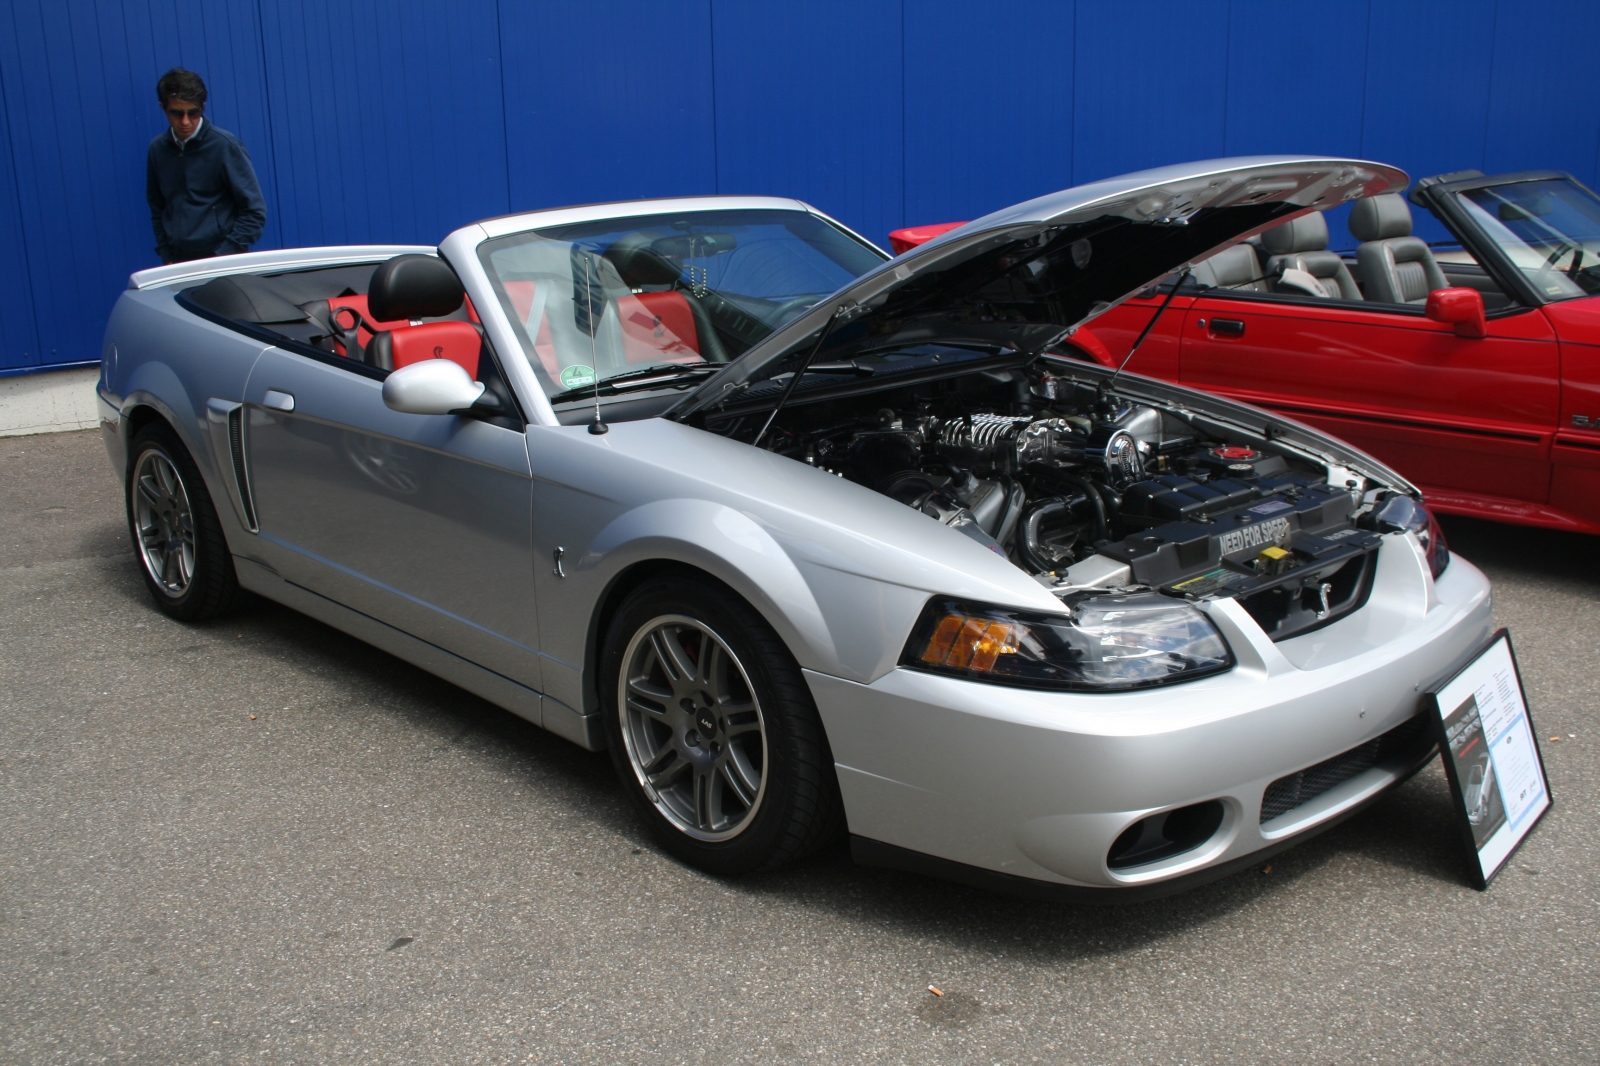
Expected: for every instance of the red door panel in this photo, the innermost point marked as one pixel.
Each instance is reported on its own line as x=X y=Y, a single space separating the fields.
x=1575 y=481
x=1449 y=412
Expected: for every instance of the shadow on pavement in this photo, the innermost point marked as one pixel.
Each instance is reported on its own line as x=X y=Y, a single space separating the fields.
x=1497 y=548
x=1409 y=831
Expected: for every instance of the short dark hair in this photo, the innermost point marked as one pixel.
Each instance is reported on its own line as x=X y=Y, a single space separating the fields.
x=184 y=84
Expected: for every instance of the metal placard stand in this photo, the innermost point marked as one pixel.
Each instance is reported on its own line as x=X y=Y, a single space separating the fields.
x=1491 y=756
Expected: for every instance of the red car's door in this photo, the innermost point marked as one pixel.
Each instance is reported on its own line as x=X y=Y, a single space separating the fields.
x=1469 y=419
x=1575 y=477
x=1107 y=338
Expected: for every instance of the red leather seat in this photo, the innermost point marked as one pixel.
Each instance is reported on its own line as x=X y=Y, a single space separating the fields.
x=358 y=304
x=459 y=342
x=521 y=294
x=411 y=287
x=658 y=327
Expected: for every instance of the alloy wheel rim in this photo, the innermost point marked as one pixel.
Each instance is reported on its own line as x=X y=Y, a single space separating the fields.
x=163 y=523
x=693 y=728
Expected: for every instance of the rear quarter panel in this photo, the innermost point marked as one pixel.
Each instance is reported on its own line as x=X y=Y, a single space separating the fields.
x=171 y=362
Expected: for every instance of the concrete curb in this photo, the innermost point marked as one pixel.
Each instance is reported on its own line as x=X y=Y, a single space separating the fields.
x=53 y=402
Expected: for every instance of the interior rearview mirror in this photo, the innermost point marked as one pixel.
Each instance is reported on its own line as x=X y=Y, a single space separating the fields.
x=695 y=246
x=431 y=387
x=1461 y=308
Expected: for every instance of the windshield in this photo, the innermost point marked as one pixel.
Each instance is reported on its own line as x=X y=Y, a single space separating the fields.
x=1549 y=229
x=654 y=296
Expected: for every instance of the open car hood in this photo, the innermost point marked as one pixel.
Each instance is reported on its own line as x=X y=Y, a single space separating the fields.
x=1021 y=278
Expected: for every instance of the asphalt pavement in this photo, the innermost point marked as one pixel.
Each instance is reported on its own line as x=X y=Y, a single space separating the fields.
x=262 y=841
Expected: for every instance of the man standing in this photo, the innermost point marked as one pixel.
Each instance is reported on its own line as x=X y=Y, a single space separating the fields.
x=203 y=193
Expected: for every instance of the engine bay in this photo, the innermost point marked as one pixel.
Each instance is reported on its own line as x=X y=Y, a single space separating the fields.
x=1091 y=491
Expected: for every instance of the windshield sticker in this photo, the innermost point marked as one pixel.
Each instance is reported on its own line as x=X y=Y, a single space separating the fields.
x=1270 y=506
x=576 y=377
x=1257 y=535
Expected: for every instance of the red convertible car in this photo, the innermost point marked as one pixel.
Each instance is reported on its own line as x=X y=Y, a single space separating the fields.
x=1472 y=366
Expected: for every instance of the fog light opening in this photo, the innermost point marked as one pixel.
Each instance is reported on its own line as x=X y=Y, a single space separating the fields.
x=1161 y=836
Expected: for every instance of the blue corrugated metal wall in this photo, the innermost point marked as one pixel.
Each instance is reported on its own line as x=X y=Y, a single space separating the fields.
x=398 y=120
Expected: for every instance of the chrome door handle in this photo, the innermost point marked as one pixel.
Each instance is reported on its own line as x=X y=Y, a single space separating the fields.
x=278 y=401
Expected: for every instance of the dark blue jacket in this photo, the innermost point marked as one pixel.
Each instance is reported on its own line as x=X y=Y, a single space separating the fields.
x=204 y=197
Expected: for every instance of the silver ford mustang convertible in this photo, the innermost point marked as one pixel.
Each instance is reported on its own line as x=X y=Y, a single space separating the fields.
x=812 y=540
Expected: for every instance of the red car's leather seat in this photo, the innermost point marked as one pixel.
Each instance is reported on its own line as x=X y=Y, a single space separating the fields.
x=1236 y=267
x=1302 y=244
x=1395 y=267
x=412 y=287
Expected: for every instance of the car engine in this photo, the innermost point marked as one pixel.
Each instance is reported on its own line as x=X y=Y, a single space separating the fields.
x=1088 y=490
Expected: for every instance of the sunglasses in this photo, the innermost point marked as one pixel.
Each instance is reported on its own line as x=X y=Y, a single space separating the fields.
x=189 y=113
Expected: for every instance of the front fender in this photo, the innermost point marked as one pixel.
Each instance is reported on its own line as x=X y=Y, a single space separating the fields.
x=1085 y=339
x=731 y=547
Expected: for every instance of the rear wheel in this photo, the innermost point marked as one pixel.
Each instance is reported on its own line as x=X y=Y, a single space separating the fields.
x=713 y=730
x=175 y=532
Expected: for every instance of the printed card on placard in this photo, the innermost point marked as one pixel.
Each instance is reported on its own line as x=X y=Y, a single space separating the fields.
x=1491 y=756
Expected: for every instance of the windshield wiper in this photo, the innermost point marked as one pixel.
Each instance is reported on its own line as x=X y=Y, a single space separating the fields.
x=653 y=371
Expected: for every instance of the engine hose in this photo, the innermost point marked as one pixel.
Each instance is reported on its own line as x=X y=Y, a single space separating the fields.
x=1029 y=549
x=1015 y=498
x=1102 y=523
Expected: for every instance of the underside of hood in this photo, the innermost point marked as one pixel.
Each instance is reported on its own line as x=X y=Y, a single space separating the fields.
x=1020 y=278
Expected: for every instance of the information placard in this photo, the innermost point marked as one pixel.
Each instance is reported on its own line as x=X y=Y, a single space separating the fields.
x=1491 y=756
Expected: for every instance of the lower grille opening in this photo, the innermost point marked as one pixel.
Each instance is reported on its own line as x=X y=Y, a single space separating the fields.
x=1407 y=742
x=1321 y=597
x=1163 y=835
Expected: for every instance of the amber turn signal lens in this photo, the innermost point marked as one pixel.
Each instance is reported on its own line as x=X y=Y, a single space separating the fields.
x=970 y=643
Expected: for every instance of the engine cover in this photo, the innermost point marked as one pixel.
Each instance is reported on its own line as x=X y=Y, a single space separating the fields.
x=1221 y=522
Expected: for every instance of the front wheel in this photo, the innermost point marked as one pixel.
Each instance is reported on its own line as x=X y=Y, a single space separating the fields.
x=713 y=730
x=175 y=532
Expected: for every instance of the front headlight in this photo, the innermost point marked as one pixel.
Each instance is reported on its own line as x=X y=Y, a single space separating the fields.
x=1107 y=643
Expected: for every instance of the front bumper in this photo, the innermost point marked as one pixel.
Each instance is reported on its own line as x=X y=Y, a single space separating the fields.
x=1038 y=785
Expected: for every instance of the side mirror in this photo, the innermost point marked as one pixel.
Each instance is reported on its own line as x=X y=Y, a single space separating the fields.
x=1461 y=308
x=431 y=387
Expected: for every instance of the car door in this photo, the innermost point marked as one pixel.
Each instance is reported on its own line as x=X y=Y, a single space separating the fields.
x=1473 y=417
x=1575 y=477
x=1108 y=337
x=420 y=521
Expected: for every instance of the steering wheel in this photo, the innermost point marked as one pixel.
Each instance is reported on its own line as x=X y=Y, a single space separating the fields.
x=1562 y=248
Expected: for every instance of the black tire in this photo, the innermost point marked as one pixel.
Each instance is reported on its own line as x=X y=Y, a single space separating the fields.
x=195 y=580
x=796 y=808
